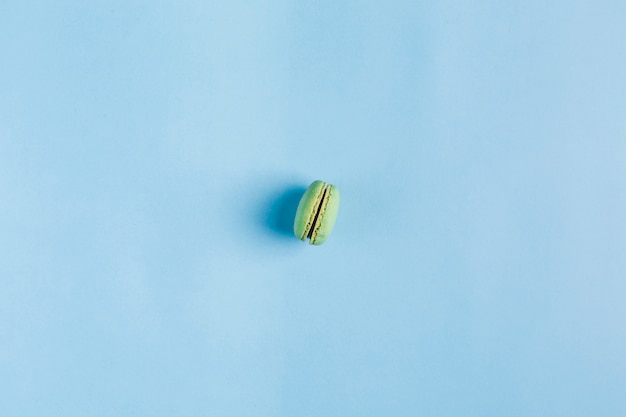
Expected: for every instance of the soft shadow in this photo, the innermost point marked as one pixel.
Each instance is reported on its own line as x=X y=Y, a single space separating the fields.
x=281 y=211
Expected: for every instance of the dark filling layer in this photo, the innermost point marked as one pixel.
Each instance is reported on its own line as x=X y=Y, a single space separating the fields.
x=317 y=214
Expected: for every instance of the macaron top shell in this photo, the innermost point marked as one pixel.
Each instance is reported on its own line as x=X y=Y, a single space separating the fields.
x=317 y=213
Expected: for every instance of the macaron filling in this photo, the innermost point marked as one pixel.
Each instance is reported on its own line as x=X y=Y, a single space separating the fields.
x=318 y=211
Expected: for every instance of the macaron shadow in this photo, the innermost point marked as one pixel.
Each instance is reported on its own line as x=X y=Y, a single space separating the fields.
x=281 y=210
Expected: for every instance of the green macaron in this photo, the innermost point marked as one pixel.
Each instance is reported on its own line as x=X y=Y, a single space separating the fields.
x=316 y=213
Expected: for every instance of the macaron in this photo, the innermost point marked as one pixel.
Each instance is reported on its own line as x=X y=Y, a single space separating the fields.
x=317 y=213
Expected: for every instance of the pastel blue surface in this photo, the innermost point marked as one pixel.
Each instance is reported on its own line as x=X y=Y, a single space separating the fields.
x=152 y=154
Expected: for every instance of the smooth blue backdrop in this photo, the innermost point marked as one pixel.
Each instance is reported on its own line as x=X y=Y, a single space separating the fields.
x=151 y=154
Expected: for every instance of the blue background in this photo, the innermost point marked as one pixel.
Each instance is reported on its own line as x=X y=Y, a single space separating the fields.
x=152 y=153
